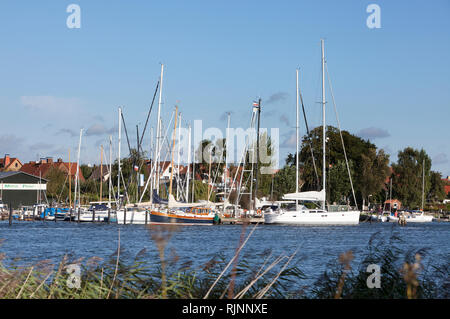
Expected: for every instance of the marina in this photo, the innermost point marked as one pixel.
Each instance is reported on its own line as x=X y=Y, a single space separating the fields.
x=241 y=151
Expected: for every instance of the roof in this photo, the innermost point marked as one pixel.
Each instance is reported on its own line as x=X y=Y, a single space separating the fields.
x=34 y=168
x=447 y=189
x=8 y=174
x=392 y=201
x=11 y=161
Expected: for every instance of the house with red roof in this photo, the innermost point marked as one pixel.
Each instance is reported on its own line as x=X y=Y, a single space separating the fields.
x=10 y=164
x=44 y=165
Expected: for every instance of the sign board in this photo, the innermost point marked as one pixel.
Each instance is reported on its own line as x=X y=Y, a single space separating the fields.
x=23 y=187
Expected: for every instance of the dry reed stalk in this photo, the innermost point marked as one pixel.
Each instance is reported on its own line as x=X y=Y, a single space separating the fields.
x=117 y=266
x=233 y=270
x=41 y=284
x=55 y=280
x=101 y=285
x=25 y=282
x=231 y=261
x=266 y=289
x=273 y=264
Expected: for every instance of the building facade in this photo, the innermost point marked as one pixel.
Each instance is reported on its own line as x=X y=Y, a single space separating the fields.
x=21 y=189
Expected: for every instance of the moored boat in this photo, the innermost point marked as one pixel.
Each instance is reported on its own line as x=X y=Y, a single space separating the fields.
x=191 y=215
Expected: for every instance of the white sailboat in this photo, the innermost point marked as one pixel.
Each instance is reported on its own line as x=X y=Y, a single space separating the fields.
x=419 y=215
x=297 y=214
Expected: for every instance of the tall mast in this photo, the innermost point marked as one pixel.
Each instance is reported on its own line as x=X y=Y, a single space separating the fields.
x=188 y=163
x=101 y=172
x=110 y=171
x=178 y=158
x=152 y=173
x=118 y=159
x=226 y=163
x=158 y=130
x=70 y=182
x=423 y=182
x=323 y=125
x=137 y=164
x=173 y=147
x=77 y=178
x=193 y=174
x=257 y=154
x=296 y=142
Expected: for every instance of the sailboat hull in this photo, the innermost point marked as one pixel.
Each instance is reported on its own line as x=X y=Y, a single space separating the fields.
x=316 y=218
x=165 y=218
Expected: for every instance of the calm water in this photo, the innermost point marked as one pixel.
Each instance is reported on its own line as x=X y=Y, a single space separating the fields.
x=35 y=241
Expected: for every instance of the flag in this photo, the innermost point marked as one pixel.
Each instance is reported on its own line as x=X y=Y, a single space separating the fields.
x=136 y=168
x=255 y=103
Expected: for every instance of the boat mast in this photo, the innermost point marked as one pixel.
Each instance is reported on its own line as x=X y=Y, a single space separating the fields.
x=296 y=139
x=193 y=174
x=323 y=126
x=101 y=172
x=423 y=182
x=173 y=147
x=257 y=154
x=118 y=159
x=158 y=131
x=70 y=183
x=188 y=163
x=77 y=178
x=226 y=163
x=178 y=159
x=110 y=171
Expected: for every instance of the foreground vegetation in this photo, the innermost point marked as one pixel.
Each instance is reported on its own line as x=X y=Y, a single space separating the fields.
x=403 y=275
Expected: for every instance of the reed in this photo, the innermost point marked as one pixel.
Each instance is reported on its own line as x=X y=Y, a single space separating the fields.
x=405 y=274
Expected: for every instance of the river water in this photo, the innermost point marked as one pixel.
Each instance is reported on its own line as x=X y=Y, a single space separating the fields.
x=30 y=242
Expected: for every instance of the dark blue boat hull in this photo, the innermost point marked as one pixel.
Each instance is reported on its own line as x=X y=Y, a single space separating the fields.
x=178 y=220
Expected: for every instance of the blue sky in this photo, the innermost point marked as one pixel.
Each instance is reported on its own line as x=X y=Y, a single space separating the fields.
x=391 y=85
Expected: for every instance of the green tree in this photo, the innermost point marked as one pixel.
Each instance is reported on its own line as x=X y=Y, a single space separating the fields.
x=437 y=187
x=57 y=186
x=355 y=147
x=339 y=188
x=407 y=176
x=373 y=174
x=284 y=181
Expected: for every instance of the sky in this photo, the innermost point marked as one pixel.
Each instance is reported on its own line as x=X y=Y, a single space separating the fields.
x=391 y=84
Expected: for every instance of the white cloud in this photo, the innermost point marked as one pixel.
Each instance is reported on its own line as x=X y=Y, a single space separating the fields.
x=50 y=103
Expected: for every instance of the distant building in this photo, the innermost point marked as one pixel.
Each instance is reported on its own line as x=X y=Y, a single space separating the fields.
x=20 y=188
x=391 y=204
x=43 y=167
x=446 y=185
x=8 y=164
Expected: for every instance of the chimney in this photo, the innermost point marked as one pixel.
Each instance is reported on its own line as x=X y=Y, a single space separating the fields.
x=6 y=160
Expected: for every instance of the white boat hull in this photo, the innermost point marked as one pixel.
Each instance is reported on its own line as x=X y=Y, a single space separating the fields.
x=133 y=217
x=309 y=218
x=420 y=219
